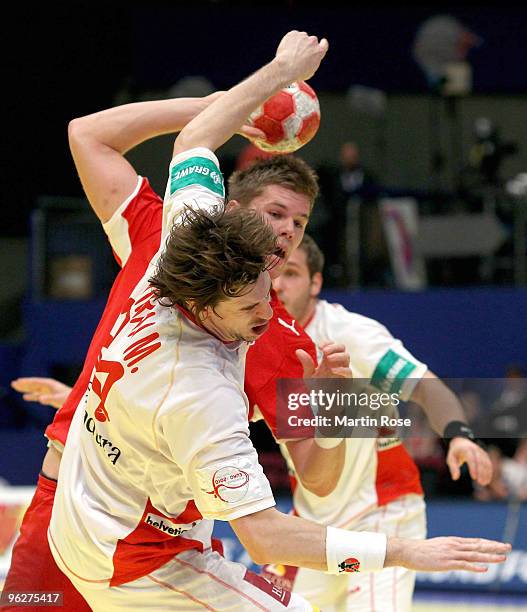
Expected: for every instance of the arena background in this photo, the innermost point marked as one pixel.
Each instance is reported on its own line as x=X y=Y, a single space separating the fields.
x=466 y=310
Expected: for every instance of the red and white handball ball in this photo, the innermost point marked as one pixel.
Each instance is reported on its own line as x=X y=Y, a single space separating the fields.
x=289 y=119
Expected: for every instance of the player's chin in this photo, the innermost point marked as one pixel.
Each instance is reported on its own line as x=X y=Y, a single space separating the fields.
x=258 y=330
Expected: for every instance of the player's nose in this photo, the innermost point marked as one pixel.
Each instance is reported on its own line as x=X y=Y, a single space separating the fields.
x=287 y=229
x=265 y=310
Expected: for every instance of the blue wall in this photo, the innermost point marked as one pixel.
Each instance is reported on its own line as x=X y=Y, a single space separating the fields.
x=457 y=332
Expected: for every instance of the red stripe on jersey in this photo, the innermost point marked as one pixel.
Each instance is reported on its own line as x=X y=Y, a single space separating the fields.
x=293 y=482
x=150 y=545
x=144 y=216
x=397 y=475
x=275 y=591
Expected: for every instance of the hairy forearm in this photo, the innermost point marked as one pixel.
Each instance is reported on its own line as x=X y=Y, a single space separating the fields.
x=224 y=117
x=273 y=537
x=124 y=127
x=318 y=469
x=438 y=402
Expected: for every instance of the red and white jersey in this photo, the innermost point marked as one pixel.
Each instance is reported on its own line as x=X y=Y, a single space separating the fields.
x=134 y=232
x=160 y=439
x=271 y=357
x=375 y=471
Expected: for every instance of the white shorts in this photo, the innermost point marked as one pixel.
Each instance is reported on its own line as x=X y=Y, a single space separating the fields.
x=193 y=581
x=389 y=590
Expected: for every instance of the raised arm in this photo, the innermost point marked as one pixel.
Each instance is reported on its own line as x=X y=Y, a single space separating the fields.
x=297 y=58
x=98 y=143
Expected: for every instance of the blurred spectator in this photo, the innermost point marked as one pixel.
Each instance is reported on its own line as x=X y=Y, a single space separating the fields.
x=354 y=178
x=349 y=196
x=514 y=473
x=507 y=420
x=509 y=480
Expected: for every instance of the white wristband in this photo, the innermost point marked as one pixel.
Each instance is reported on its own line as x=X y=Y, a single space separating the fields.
x=354 y=551
x=328 y=442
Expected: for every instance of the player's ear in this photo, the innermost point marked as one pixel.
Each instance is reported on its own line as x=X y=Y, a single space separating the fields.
x=316 y=284
x=232 y=204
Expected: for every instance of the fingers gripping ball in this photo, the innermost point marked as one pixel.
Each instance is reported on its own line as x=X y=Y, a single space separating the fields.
x=289 y=119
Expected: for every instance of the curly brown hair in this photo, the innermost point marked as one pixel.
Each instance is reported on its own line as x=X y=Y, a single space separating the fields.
x=283 y=170
x=211 y=256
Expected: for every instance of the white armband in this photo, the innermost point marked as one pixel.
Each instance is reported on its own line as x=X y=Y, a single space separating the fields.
x=354 y=551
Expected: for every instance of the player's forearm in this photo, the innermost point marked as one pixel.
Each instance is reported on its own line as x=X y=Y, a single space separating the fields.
x=440 y=405
x=124 y=127
x=318 y=469
x=280 y=538
x=273 y=537
x=224 y=117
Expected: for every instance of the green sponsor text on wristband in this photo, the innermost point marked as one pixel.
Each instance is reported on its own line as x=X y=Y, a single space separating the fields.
x=391 y=372
x=197 y=171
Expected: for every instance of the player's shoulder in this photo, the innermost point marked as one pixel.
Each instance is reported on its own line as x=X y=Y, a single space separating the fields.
x=343 y=321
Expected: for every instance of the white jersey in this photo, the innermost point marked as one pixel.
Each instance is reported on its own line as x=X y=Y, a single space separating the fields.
x=375 y=356
x=160 y=440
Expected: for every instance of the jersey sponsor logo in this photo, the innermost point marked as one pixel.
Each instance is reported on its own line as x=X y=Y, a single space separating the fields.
x=112 y=452
x=197 y=171
x=161 y=523
x=391 y=372
x=229 y=484
x=349 y=566
x=290 y=326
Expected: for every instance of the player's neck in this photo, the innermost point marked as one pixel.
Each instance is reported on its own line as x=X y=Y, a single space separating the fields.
x=309 y=313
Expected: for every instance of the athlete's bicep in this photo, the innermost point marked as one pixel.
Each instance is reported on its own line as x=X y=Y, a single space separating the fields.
x=106 y=176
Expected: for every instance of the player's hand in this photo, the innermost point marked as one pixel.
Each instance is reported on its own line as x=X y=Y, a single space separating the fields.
x=47 y=391
x=462 y=450
x=443 y=554
x=299 y=55
x=334 y=363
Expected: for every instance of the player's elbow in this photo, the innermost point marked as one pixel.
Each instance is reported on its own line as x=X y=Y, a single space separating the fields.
x=260 y=552
x=257 y=533
x=191 y=137
x=186 y=140
x=76 y=130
